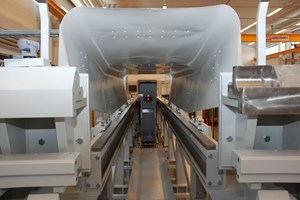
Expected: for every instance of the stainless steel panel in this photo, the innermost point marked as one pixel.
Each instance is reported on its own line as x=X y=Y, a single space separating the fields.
x=270 y=101
x=254 y=76
x=283 y=76
x=266 y=89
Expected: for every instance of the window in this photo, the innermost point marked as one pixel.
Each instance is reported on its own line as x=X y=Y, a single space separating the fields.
x=273 y=49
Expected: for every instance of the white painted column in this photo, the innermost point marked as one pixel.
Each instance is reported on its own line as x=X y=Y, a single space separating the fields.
x=261 y=32
x=45 y=28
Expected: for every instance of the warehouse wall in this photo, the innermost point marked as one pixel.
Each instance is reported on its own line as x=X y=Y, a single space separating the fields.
x=288 y=58
x=248 y=55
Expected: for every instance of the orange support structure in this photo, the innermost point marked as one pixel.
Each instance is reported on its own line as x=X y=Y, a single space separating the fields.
x=272 y=37
x=276 y=55
x=55 y=9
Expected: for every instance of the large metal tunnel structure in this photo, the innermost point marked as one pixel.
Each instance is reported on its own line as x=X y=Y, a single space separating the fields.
x=193 y=45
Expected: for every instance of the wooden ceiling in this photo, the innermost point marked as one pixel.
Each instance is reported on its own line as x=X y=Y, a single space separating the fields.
x=287 y=18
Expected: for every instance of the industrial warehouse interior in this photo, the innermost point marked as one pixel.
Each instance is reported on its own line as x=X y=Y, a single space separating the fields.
x=149 y=99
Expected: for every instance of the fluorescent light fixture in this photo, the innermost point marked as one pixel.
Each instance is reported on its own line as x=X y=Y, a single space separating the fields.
x=103 y=3
x=64 y=9
x=37 y=3
x=250 y=26
x=274 y=12
x=164 y=4
x=251 y=43
x=298 y=24
x=281 y=31
x=77 y=3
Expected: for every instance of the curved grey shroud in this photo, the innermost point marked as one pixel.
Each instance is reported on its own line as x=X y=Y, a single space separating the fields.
x=198 y=43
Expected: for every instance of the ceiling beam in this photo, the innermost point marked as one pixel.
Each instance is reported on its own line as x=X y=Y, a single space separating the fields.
x=272 y=37
x=56 y=10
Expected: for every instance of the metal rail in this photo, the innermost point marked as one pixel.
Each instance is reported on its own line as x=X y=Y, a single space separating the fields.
x=108 y=144
x=187 y=134
x=199 y=148
x=26 y=33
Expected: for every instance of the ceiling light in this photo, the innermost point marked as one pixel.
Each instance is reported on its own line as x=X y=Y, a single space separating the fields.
x=298 y=24
x=35 y=2
x=281 y=31
x=164 y=4
x=103 y=3
x=77 y=3
x=251 y=25
x=251 y=43
x=274 y=12
x=64 y=9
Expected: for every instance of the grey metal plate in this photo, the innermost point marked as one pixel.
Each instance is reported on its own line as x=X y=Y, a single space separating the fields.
x=149 y=178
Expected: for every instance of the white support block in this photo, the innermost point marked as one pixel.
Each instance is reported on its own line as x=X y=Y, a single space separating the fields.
x=47 y=169
x=274 y=195
x=263 y=166
x=27 y=62
x=43 y=197
x=34 y=92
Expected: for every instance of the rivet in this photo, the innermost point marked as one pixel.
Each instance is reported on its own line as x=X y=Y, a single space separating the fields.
x=229 y=139
x=267 y=138
x=42 y=142
x=79 y=140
